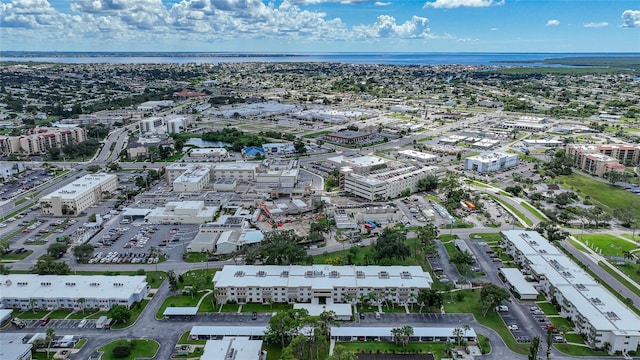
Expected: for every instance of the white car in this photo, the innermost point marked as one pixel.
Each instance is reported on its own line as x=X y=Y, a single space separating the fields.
x=82 y=323
x=513 y=327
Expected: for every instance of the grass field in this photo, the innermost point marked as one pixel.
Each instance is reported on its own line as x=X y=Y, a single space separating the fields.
x=547 y=308
x=317 y=134
x=438 y=349
x=533 y=210
x=580 y=351
x=600 y=193
x=487 y=237
x=177 y=301
x=609 y=245
x=140 y=349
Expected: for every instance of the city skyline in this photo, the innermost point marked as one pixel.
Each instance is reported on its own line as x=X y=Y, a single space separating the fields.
x=320 y=26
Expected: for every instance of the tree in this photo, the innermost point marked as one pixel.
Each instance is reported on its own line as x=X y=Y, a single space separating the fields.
x=406 y=192
x=428 y=183
x=390 y=245
x=549 y=341
x=300 y=147
x=491 y=296
x=616 y=176
x=430 y=298
x=534 y=348
x=326 y=319
x=402 y=335
x=81 y=302
x=51 y=334
x=48 y=266
x=628 y=218
x=277 y=248
x=458 y=333
x=285 y=325
x=4 y=269
x=462 y=258
x=341 y=353
x=120 y=314
x=57 y=250
x=83 y=252
x=173 y=280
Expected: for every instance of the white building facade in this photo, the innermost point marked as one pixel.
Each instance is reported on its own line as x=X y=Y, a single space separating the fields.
x=491 y=162
x=319 y=284
x=79 y=195
x=605 y=321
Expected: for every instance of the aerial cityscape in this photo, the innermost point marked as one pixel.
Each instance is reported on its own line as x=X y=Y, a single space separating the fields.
x=319 y=179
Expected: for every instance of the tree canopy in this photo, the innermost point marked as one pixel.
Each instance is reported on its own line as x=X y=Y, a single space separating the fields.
x=278 y=248
x=390 y=245
x=48 y=266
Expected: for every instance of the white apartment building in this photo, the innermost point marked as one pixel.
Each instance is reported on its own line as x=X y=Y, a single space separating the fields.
x=384 y=184
x=79 y=195
x=319 y=284
x=151 y=125
x=491 y=162
x=241 y=171
x=177 y=125
x=596 y=313
x=192 y=180
x=29 y=291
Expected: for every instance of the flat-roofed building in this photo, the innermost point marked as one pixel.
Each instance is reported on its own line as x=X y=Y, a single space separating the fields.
x=519 y=284
x=491 y=162
x=12 y=346
x=319 y=284
x=182 y=212
x=208 y=153
x=418 y=156
x=360 y=164
x=242 y=171
x=348 y=137
x=192 y=180
x=31 y=291
x=152 y=125
x=603 y=320
x=78 y=196
x=595 y=159
x=381 y=333
x=386 y=183
x=39 y=140
x=233 y=348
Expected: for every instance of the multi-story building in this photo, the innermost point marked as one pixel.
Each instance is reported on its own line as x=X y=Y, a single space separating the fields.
x=177 y=125
x=597 y=314
x=10 y=168
x=31 y=291
x=194 y=179
x=182 y=212
x=491 y=162
x=386 y=183
x=36 y=141
x=600 y=159
x=151 y=125
x=79 y=195
x=319 y=284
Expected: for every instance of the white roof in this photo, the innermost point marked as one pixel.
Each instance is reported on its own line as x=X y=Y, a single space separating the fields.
x=517 y=280
x=228 y=330
x=180 y=311
x=80 y=186
x=386 y=331
x=417 y=154
x=5 y=314
x=488 y=157
x=236 y=348
x=603 y=310
x=323 y=276
x=135 y=212
x=27 y=286
x=11 y=346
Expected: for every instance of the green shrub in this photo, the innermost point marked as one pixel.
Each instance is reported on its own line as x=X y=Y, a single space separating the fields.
x=120 y=352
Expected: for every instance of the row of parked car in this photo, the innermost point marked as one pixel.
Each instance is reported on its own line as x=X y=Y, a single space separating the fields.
x=114 y=257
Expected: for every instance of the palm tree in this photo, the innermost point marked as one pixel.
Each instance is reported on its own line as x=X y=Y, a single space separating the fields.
x=81 y=302
x=326 y=319
x=32 y=304
x=362 y=298
x=51 y=334
x=627 y=255
x=458 y=333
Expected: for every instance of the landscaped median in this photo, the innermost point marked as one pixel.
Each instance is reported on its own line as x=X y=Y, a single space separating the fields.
x=134 y=348
x=513 y=210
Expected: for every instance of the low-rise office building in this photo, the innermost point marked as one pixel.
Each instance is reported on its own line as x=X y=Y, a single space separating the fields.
x=31 y=291
x=182 y=212
x=192 y=180
x=418 y=156
x=79 y=195
x=384 y=184
x=319 y=284
x=491 y=162
x=598 y=315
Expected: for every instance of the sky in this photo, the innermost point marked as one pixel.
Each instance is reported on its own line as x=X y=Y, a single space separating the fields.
x=317 y=26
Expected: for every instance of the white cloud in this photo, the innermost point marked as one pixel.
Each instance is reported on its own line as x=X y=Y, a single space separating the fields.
x=382 y=3
x=386 y=27
x=33 y=14
x=553 y=22
x=494 y=29
x=447 y=4
x=631 y=18
x=596 y=24
x=313 y=2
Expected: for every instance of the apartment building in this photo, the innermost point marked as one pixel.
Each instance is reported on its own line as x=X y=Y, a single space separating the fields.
x=600 y=159
x=79 y=195
x=151 y=125
x=597 y=314
x=319 y=284
x=385 y=183
x=32 y=291
x=36 y=141
x=491 y=162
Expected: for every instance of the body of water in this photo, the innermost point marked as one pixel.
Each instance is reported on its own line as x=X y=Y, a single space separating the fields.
x=204 y=143
x=528 y=59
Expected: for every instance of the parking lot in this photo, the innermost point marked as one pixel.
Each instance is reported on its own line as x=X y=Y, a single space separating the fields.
x=59 y=324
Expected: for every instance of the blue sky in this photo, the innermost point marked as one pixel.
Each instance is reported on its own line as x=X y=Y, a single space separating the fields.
x=321 y=25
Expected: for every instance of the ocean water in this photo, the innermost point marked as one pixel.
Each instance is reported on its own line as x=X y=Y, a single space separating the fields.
x=529 y=59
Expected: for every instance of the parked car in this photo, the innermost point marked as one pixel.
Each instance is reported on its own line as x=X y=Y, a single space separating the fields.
x=45 y=320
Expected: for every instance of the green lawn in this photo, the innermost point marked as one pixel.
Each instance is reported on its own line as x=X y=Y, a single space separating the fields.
x=547 y=308
x=185 y=339
x=200 y=278
x=80 y=343
x=195 y=257
x=31 y=315
x=140 y=349
x=317 y=134
x=574 y=338
x=438 y=349
x=560 y=321
x=471 y=304
x=266 y=307
x=207 y=305
x=81 y=315
x=579 y=350
x=609 y=245
x=487 y=237
x=16 y=257
x=177 y=301
x=631 y=270
x=605 y=194
x=230 y=308
x=136 y=310
x=533 y=211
